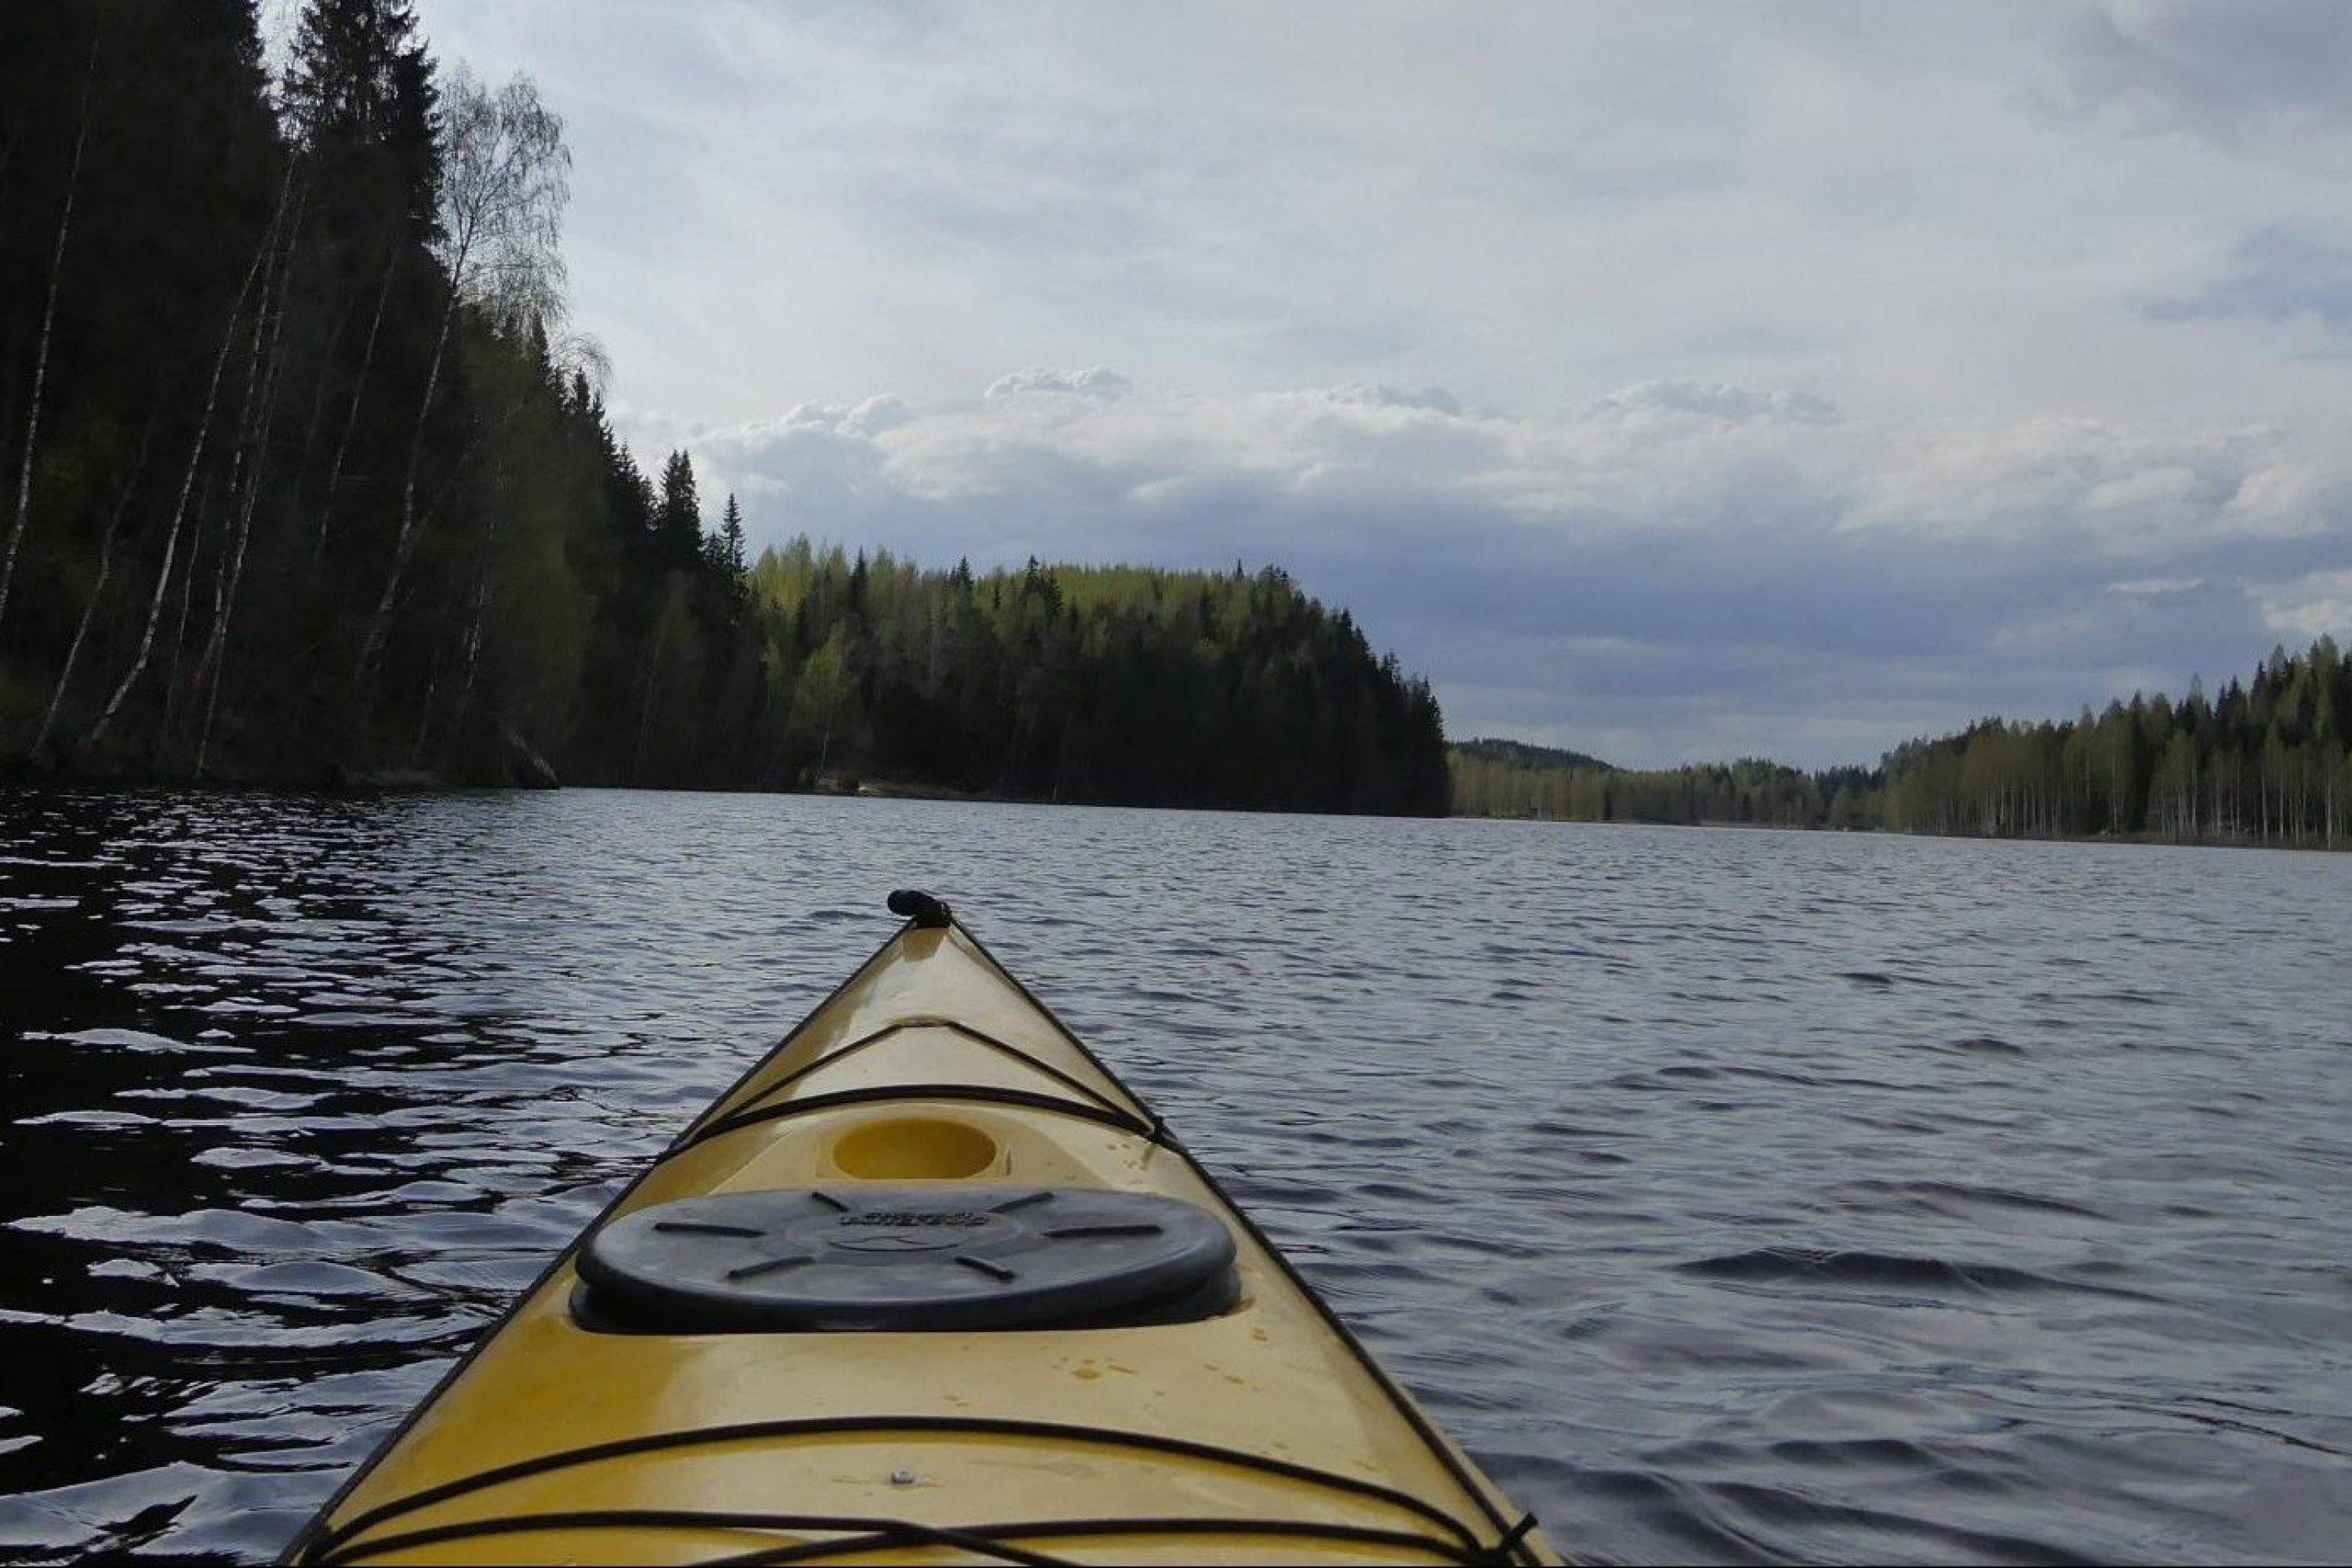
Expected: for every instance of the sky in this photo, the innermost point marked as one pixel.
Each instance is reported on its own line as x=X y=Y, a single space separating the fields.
x=1669 y=382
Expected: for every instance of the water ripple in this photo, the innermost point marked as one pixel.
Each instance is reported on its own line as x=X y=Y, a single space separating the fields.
x=1736 y=1196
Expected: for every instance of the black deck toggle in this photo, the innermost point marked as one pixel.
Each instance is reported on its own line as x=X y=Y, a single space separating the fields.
x=928 y=912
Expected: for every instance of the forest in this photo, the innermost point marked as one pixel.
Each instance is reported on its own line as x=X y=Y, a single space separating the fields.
x=306 y=477
x=309 y=479
x=2266 y=764
x=1508 y=778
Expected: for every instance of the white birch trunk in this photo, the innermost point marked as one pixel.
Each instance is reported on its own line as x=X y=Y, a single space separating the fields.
x=481 y=611
x=256 y=436
x=646 y=708
x=41 y=356
x=178 y=641
x=180 y=507
x=97 y=592
x=405 y=542
x=351 y=414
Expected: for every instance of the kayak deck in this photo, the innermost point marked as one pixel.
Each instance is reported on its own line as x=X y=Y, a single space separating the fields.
x=1257 y=1431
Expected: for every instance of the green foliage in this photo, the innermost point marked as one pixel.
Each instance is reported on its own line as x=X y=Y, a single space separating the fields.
x=1076 y=683
x=1504 y=779
x=315 y=486
x=1521 y=754
x=2266 y=763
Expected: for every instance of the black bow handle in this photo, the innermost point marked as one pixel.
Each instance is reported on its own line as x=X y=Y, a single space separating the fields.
x=928 y=912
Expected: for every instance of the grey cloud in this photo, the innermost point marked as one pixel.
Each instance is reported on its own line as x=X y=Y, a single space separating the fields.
x=2275 y=274
x=812 y=462
x=2226 y=73
x=1436 y=399
x=872 y=416
x=1734 y=404
x=1095 y=381
x=930 y=208
x=1528 y=211
x=881 y=413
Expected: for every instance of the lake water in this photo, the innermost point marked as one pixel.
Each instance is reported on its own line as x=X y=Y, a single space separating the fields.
x=1731 y=1195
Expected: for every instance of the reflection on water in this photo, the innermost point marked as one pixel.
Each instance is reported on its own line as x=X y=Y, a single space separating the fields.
x=1735 y=1195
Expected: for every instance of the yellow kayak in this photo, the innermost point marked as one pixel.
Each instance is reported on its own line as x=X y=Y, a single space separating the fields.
x=928 y=1285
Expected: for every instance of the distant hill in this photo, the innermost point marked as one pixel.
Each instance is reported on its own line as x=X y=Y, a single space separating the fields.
x=1521 y=754
x=1511 y=778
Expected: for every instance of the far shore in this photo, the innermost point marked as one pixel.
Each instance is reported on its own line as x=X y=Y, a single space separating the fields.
x=19 y=773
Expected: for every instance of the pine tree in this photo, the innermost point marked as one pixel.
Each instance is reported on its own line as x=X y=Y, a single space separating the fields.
x=678 y=517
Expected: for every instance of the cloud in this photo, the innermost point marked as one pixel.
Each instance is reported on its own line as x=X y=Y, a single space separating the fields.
x=2277 y=274
x=2230 y=74
x=774 y=203
x=2316 y=604
x=1662 y=382
x=1097 y=383
x=876 y=415
x=2137 y=491
x=1435 y=399
x=1732 y=404
x=1667 y=572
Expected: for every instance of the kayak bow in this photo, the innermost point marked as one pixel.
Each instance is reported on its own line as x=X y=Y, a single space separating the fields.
x=927 y=1285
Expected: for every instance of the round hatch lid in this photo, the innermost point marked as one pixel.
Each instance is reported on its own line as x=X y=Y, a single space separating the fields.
x=874 y=1256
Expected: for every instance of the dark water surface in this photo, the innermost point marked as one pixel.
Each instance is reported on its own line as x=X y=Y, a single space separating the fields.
x=1731 y=1195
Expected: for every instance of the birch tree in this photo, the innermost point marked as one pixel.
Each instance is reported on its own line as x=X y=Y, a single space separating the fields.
x=505 y=176
x=48 y=327
x=180 y=507
x=262 y=378
x=129 y=487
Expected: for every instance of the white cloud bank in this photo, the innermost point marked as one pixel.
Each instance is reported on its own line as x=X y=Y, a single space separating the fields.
x=1670 y=571
x=2317 y=604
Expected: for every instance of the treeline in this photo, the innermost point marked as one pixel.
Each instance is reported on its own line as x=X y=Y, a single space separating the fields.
x=306 y=478
x=1109 y=684
x=1506 y=778
x=1524 y=754
x=2265 y=763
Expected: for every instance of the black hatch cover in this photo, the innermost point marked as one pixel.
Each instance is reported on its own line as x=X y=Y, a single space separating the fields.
x=873 y=1256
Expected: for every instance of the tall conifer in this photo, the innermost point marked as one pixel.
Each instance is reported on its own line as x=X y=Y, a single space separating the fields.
x=679 y=520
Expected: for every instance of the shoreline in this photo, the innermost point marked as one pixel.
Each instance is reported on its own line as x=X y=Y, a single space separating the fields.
x=20 y=772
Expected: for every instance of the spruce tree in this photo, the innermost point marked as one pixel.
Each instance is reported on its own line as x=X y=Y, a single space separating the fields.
x=679 y=516
x=730 y=534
